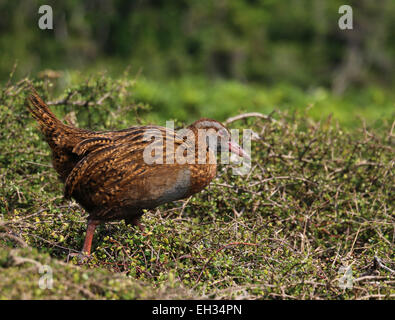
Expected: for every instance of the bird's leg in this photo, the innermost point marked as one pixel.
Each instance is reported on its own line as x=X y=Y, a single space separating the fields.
x=135 y=221
x=86 y=249
x=83 y=256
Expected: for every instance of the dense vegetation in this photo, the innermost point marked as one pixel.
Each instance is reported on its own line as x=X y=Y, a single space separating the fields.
x=317 y=198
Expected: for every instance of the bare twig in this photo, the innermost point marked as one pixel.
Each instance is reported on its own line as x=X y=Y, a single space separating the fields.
x=378 y=264
x=248 y=115
x=14 y=238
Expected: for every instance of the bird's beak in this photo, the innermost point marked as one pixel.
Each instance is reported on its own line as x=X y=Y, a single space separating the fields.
x=235 y=148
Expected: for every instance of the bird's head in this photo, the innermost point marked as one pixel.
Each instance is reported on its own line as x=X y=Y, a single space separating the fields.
x=216 y=136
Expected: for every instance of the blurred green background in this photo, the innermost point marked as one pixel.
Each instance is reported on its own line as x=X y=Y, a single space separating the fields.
x=214 y=58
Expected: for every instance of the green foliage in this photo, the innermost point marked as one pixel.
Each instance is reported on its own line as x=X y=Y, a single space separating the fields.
x=317 y=198
x=189 y=98
x=270 y=42
x=20 y=278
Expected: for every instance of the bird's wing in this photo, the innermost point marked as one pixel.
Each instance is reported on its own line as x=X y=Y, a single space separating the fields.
x=90 y=144
x=114 y=170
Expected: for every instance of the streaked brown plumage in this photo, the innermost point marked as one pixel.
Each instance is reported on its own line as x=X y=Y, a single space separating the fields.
x=105 y=172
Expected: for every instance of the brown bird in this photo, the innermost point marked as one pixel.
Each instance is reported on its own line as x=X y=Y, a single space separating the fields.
x=114 y=175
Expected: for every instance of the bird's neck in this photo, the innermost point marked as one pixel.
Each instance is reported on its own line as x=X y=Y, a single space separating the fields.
x=205 y=167
x=203 y=155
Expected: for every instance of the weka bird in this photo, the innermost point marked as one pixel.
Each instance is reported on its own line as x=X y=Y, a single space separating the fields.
x=107 y=174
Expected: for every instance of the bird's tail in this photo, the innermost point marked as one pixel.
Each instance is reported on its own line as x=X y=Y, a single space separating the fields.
x=50 y=126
